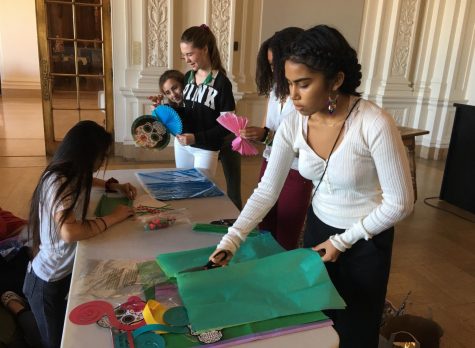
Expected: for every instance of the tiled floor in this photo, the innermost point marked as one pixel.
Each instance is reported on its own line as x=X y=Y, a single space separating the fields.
x=433 y=256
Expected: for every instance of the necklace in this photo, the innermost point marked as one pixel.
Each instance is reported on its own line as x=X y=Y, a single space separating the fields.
x=333 y=148
x=207 y=80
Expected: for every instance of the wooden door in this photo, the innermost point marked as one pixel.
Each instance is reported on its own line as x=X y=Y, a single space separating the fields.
x=75 y=50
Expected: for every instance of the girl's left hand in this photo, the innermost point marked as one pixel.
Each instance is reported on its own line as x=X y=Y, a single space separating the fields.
x=128 y=190
x=186 y=139
x=327 y=251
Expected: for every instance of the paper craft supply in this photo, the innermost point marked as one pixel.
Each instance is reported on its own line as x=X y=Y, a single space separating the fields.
x=167 y=294
x=160 y=327
x=150 y=339
x=141 y=339
x=148 y=132
x=128 y=313
x=112 y=279
x=153 y=312
x=240 y=334
x=209 y=336
x=159 y=222
x=244 y=147
x=253 y=248
x=176 y=316
x=90 y=312
x=169 y=117
x=107 y=204
x=121 y=339
x=144 y=210
x=235 y=124
x=259 y=332
x=151 y=277
x=178 y=184
x=286 y=283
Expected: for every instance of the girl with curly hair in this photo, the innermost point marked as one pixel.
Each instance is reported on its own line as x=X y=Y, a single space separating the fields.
x=352 y=151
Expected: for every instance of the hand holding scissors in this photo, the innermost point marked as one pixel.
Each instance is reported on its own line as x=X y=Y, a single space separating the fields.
x=220 y=257
x=220 y=260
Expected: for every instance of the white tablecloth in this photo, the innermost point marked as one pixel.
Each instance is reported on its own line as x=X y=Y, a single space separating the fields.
x=127 y=240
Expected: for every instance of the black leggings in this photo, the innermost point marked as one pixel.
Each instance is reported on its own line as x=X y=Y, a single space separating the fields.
x=231 y=162
x=361 y=276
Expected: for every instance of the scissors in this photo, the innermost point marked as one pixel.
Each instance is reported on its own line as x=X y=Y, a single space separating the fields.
x=221 y=255
x=224 y=222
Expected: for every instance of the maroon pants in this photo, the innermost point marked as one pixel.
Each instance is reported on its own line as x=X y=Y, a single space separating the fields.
x=286 y=218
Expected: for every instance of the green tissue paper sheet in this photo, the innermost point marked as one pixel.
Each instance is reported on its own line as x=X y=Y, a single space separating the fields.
x=107 y=204
x=282 y=284
x=253 y=248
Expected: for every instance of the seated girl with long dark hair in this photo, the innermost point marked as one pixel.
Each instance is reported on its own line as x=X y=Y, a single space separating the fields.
x=58 y=220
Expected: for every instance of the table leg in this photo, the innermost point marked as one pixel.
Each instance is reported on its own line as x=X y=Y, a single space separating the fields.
x=410 y=144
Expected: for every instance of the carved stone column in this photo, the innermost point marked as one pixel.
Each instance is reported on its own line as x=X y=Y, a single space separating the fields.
x=400 y=76
x=415 y=56
x=155 y=47
x=395 y=37
x=156 y=40
x=221 y=19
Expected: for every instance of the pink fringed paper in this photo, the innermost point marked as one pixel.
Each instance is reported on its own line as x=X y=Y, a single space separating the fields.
x=234 y=124
x=244 y=147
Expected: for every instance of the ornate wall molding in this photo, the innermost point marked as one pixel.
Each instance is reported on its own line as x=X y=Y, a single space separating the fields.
x=220 y=24
x=156 y=33
x=404 y=37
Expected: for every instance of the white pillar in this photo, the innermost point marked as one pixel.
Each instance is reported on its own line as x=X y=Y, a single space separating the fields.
x=416 y=56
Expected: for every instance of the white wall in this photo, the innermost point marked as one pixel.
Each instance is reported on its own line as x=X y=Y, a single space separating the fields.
x=19 y=68
x=345 y=15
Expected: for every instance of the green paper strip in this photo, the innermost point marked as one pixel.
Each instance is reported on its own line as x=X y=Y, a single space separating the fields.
x=108 y=204
x=253 y=248
x=176 y=316
x=283 y=284
x=159 y=327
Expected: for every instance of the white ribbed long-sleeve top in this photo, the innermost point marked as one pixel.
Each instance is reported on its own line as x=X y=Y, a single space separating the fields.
x=366 y=189
x=276 y=112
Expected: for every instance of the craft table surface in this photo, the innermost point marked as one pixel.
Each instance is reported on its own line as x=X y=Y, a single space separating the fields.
x=127 y=240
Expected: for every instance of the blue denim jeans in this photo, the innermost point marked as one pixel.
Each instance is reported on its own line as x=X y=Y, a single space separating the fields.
x=48 y=304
